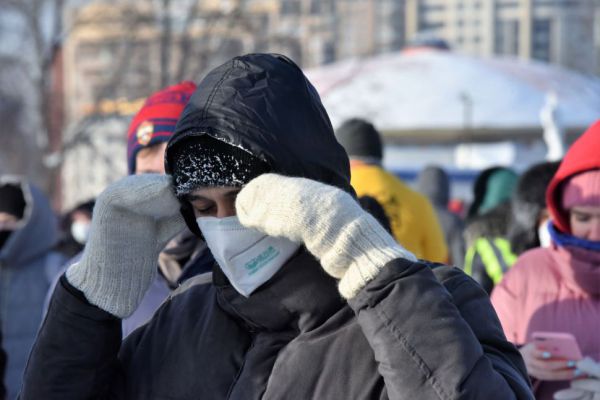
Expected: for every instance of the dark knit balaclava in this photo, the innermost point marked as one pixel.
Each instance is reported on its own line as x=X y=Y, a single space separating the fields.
x=207 y=162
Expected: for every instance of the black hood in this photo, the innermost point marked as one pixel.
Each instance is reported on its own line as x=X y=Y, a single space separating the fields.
x=265 y=105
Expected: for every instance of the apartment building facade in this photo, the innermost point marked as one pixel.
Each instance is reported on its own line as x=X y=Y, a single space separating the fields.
x=562 y=32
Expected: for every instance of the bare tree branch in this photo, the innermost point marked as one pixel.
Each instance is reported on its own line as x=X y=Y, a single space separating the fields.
x=166 y=34
x=185 y=43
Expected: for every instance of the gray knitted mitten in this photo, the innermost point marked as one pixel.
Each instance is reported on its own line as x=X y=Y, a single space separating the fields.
x=350 y=244
x=133 y=220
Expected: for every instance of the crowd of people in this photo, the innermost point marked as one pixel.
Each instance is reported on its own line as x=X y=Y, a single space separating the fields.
x=255 y=252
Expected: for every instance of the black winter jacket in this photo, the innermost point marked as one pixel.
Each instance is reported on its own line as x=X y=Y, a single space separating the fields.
x=415 y=332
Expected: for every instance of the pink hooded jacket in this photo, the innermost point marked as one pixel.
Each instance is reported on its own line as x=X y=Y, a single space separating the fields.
x=558 y=288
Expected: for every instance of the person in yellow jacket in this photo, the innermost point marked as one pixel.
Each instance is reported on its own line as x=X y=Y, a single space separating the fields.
x=412 y=217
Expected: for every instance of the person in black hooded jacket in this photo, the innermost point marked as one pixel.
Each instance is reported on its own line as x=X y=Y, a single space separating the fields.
x=310 y=297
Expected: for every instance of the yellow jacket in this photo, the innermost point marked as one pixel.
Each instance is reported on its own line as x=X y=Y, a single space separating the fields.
x=412 y=217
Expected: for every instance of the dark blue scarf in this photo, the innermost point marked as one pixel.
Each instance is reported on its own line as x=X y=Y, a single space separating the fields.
x=564 y=240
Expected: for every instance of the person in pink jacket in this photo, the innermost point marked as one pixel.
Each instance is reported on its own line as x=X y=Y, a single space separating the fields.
x=557 y=289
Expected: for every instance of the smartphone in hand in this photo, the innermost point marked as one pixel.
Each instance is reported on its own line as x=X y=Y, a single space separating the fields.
x=560 y=345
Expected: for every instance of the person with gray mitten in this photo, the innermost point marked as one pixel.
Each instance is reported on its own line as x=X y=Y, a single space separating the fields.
x=309 y=298
x=134 y=218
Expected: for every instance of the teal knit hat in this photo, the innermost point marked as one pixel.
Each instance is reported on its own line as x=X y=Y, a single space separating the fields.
x=500 y=187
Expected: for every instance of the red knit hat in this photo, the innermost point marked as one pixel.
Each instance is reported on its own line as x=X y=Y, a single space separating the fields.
x=156 y=120
x=582 y=156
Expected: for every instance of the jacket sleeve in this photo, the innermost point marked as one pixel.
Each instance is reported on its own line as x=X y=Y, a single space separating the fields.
x=2 y=369
x=505 y=299
x=434 y=341
x=480 y=275
x=75 y=353
x=434 y=243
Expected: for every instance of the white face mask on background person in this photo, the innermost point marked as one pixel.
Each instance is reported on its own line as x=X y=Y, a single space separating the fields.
x=246 y=256
x=80 y=231
x=544 y=234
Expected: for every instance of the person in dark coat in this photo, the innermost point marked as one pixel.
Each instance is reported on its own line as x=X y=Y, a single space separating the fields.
x=28 y=264
x=310 y=297
x=185 y=255
x=75 y=229
x=529 y=214
x=434 y=183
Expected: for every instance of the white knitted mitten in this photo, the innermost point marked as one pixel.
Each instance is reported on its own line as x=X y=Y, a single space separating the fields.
x=133 y=220
x=349 y=242
x=583 y=389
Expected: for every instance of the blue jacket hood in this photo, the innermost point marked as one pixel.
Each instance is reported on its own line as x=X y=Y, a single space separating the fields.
x=38 y=231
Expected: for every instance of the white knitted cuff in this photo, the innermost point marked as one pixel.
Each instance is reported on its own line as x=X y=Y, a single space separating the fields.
x=589 y=366
x=364 y=269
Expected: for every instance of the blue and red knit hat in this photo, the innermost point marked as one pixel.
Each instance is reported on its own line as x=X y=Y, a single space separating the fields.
x=156 y=120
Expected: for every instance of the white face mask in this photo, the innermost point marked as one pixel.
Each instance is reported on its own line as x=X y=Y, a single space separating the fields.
x=80 y=231
x=544 y=234
x=246 y=256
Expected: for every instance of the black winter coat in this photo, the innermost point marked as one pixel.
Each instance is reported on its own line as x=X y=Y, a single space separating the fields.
x=415 y=332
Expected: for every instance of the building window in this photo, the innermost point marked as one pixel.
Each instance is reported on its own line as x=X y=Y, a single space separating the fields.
x=507 y=4
x=290 y=7
x=507 y=37
x=431 y=26
x=316 y=7
x=328 y=53
x=426 y=8
x=542 y=29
